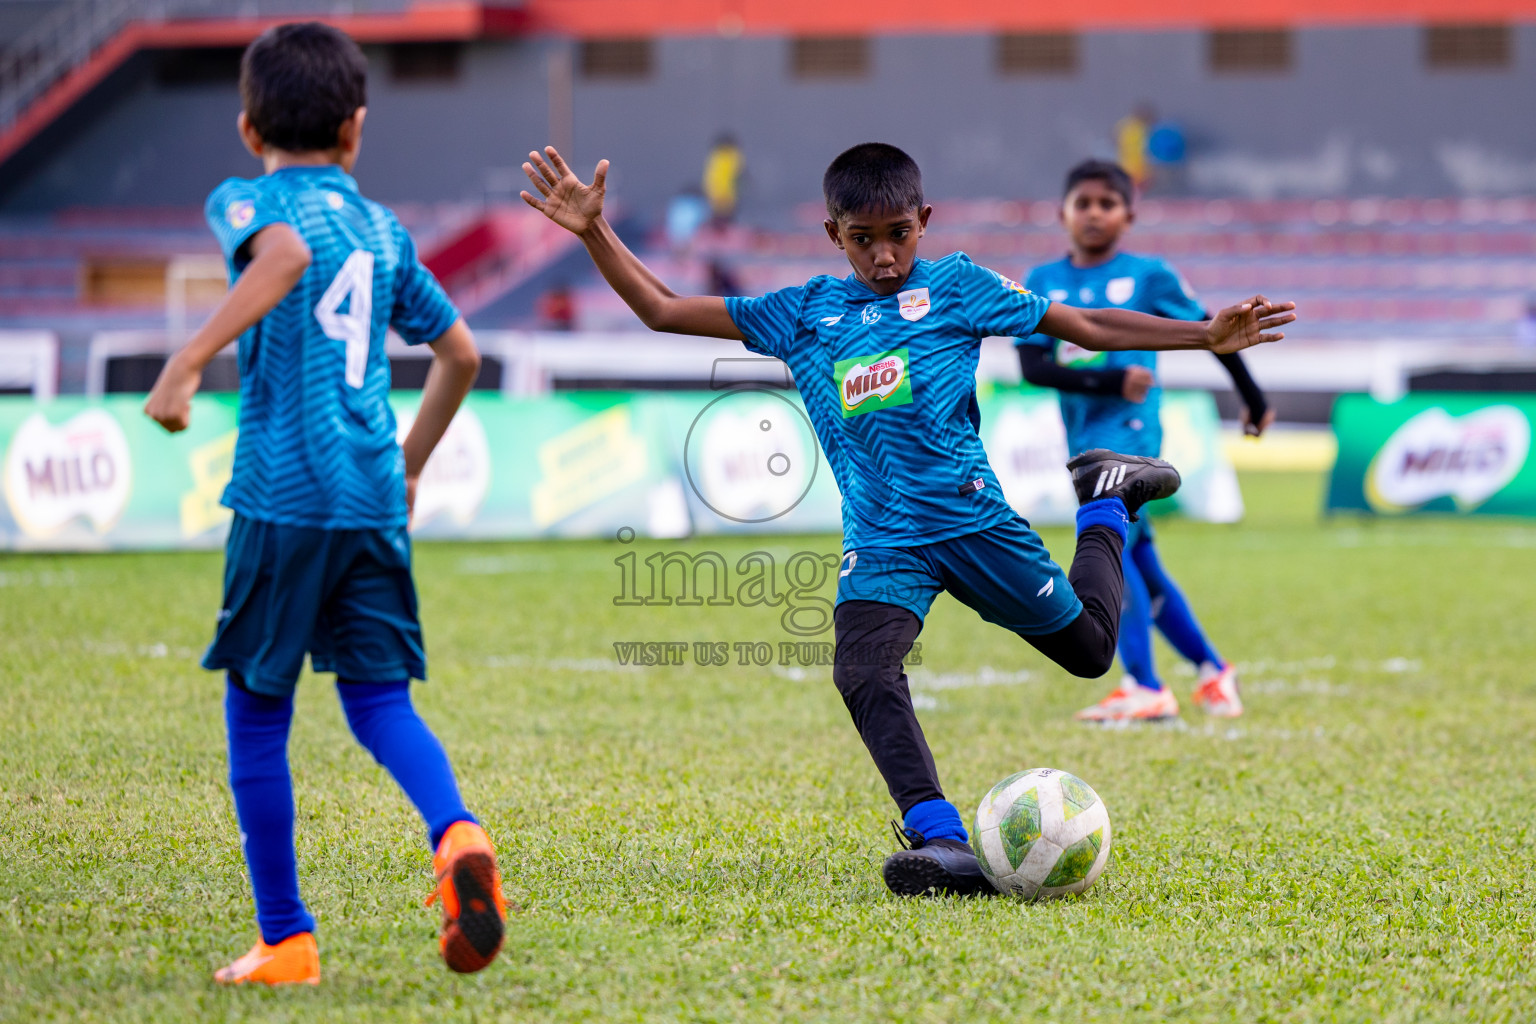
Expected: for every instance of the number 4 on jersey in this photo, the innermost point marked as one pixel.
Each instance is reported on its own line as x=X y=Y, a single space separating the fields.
x=355 y=326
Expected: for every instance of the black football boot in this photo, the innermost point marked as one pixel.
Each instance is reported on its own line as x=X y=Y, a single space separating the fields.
x=1135 y=479
x=934 y=867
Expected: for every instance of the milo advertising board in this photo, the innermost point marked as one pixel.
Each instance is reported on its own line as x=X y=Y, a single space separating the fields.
x=1453 y=453
x=83 y=475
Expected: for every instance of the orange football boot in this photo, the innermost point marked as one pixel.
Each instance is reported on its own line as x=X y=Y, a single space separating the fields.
x=1218 y=691
x=1132 y=702
x=294 y=961
x=474 y=910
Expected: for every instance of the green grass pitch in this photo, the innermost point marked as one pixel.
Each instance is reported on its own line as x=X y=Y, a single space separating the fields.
x=704 y=843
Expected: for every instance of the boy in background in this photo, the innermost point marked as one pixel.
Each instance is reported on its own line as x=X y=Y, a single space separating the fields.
x=319 y=558
x=1111 y=400
x=885 y=360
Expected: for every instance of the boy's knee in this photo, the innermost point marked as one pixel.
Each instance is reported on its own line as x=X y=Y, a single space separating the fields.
x=1091 y=662
x=868 y=682
x=872 y=643
x=1085 y=647
x=854 y=678
x=366 y=704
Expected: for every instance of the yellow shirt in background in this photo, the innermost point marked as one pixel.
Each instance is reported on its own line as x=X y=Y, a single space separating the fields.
x=1131 y=134
x=722 y=173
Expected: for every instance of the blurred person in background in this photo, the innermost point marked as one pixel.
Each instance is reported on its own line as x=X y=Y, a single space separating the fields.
x=1166 y=148
x=723 y=170
x=1111 y=400
x=1132 y=133
x=557 y=308
x=687 y=212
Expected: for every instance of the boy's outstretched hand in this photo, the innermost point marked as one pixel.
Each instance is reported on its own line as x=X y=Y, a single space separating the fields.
x=567 y=202
x=1248 y=324
x=579 y=209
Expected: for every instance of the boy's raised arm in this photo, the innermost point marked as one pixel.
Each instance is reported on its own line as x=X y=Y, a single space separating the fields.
x=279 y=258
x=1231 y=330
x=578 y=208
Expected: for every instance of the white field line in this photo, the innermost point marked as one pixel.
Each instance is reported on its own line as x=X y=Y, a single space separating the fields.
x=43 y=578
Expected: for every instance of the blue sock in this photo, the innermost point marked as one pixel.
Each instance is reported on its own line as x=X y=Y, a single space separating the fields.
x=1108 y=512
x=935 y=819
x=386 y=723
x=1170 y=611
x=1136 y=628
x=258 y=777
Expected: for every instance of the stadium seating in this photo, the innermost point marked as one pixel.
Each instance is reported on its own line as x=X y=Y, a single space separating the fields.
x=1363 y=270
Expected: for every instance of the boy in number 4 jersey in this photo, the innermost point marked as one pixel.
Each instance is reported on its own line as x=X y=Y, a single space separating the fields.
x=885 y=360
x=319 y=558
x=1111 y=400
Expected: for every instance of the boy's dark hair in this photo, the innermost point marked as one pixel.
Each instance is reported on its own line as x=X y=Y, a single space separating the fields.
x=871 y=177
x=1107 y=171
x=299 y=82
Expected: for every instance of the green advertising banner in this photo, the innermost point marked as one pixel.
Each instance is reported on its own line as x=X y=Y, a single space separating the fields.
x=83 y=475
x=1458 y=453
x=1027 y=446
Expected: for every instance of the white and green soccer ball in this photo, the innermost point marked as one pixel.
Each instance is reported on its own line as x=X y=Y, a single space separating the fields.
x=1042 y=833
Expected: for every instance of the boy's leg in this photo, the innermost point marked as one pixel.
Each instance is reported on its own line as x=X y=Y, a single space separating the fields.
x=873 y=638
x=370 y=630
x=1086 y=645
x=867 y=666
x=1135 y=644
x=1111 y=488
x=1076 y=626
x=1141 y=694
x=263 y=789
x=1171 y=611
x=1217 y=690
x=385 y=722
x=882 y=596
x=268 y=610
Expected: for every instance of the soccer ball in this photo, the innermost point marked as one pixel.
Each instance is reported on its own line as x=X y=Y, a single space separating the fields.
x=1041 y=833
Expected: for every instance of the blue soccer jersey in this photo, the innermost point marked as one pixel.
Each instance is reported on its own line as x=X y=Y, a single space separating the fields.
x=1142 y=283
x=889 y=383
x=317 y=436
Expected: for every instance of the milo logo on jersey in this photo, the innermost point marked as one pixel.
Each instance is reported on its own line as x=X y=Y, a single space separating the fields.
x=874 y=382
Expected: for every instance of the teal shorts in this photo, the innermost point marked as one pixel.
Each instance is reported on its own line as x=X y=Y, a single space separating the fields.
x=1003 y=572
x=344 y=597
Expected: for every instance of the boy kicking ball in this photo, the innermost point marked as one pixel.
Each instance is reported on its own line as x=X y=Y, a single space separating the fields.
x=885 y=361
x=319 y=559
x=1111 y=400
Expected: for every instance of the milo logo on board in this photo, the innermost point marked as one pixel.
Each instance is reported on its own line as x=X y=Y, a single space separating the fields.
x=872 y=383
x=1468 y=458
x=80 y=469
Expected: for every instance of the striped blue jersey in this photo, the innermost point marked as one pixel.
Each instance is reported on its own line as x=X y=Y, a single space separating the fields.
x=317 y=436
x=889 y=383
x=1145 y=284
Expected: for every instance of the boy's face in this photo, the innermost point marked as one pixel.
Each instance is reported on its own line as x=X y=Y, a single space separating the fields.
x=881 y=246
x=1095 y=216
